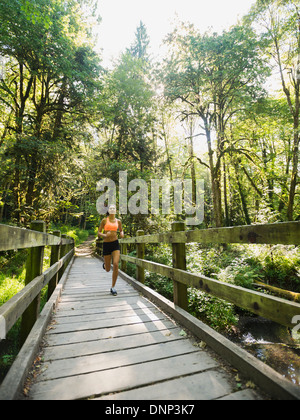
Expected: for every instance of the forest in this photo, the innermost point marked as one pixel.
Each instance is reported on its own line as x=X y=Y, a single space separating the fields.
x=219 y=107
x=222 y=108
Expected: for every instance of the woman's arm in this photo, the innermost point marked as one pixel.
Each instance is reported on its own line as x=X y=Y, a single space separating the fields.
x=121 y=229
x=101 y=228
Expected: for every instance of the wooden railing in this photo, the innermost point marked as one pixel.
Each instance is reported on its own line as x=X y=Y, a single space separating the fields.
x=26 y=303
x=276 y=309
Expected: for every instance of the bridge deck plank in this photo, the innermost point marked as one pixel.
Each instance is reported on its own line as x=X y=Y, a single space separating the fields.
x=123 y=347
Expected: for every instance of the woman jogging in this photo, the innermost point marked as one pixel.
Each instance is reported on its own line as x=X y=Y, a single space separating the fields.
x=111 y=247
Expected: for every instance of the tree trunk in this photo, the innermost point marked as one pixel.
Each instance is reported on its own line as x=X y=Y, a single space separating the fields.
x=294 y=177
x=242 y=195
x=19 y=118
x=32 y=180
x=215 y=174
x=295 y=112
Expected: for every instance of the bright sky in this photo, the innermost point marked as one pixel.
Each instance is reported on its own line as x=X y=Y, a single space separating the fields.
x=120 y=18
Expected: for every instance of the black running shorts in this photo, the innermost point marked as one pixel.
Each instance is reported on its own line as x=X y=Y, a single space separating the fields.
x=110 y=247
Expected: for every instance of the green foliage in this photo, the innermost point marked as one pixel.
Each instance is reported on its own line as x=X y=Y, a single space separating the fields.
x=35 y=13
x=51 y=75
x=242 y=271
x=282 y=268
x=217 y=313
x=209 y=259
x=66 y=123
x=160 y=284
x=278 y=266
x=79 y=235
x=197 y=74
x=128 y=111
x=12 y=274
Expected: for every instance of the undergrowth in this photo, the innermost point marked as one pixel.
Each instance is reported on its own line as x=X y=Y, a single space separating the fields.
x=240 y=265
x=78 y=235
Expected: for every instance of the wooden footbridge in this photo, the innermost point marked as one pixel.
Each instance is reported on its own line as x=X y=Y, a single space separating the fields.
x=87 y=344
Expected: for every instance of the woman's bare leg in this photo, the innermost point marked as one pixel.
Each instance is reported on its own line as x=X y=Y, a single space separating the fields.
x=107 y=262
x=116 y=260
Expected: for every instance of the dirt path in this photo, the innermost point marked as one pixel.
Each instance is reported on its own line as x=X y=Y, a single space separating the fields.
x=86 y=247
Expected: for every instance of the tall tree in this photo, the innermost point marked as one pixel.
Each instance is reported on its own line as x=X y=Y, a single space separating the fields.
x=139 y=48
x=216 y=76
x=128 y=107
x=279 y=26
x=50 y=77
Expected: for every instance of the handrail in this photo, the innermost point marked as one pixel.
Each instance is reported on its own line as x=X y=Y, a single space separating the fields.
x=256 y=302
x=279 y=310
x=287 y=233
x=12 y=238
x=26 y=303
x=11 y=311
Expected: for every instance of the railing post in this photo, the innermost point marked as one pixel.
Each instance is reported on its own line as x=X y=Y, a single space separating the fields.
x=140 y=253
x=179 y=261
x=34 y=268
x=99 y=243
x=55 y=256
x=66 y=251
x=124 y=252
x=63 y=252
x=70 y=247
